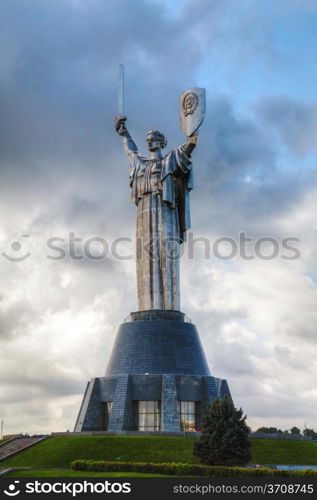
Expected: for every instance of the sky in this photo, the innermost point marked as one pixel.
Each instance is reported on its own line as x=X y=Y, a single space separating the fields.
x=64 y=175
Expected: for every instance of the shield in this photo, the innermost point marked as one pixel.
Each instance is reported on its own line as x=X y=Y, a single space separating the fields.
x=192 y=109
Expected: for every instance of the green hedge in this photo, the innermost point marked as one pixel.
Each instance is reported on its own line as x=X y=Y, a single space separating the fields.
x=179 y=469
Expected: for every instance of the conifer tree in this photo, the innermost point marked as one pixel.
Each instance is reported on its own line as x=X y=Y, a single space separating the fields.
x=224 y=439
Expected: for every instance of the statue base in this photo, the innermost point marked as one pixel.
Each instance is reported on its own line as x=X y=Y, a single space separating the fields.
x=157 y=379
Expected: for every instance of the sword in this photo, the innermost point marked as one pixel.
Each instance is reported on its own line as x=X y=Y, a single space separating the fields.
x=120 y=88
x=121 y=91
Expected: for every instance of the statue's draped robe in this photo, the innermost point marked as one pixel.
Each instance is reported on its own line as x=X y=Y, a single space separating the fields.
x=160 y=189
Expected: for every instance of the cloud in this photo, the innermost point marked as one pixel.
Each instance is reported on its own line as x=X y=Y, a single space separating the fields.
x=16 y=318
x=294 y=121
x=63 y=171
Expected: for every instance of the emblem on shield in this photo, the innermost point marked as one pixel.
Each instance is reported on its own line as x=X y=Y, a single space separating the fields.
x=192 y=110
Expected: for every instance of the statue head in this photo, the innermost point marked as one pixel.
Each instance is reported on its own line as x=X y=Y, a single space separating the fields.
x=156 y=140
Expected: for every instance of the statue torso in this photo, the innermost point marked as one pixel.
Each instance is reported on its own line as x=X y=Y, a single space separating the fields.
x=148 y=177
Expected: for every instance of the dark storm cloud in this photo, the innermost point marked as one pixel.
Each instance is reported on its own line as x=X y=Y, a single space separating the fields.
x=43 y=378
x=59 y=99
x=294 y=121
x=39 y=388
x=239 y=171
x=58 y=104
x=59 y=151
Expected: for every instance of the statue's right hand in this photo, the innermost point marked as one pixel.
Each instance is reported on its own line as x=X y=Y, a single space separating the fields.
x=119 y=124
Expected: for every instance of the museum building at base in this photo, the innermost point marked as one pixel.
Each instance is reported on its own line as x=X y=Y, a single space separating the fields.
x=157 y=379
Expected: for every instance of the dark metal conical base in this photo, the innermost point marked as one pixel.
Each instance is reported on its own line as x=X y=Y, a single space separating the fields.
x=156 y=342
x=157 y=356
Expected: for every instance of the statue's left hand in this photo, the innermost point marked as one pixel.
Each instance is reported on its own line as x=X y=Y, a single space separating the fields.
x=192 y=139
x=191 y=143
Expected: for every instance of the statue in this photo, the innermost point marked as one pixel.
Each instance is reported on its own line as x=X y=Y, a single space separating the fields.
x=160 y=187
x=157 y=378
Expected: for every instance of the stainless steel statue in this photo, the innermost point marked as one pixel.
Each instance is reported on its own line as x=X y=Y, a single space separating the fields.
x=160 y=187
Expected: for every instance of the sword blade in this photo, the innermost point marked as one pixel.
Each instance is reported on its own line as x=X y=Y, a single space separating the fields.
x=121 y=91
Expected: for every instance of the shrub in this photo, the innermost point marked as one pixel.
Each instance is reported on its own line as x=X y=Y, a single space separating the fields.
x=181 y=469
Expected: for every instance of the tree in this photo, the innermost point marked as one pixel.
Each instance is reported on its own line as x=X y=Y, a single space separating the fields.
x=224 y=439
x=295 y=431
x=310 y=433
x=268 y=430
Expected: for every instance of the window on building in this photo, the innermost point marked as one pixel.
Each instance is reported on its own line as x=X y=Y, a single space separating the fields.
x=106 y=412
x=149 y=415
x=187 y=416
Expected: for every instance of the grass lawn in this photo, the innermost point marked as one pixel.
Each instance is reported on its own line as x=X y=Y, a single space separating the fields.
x=60 y=451
x=282 y=451
x=77 y=473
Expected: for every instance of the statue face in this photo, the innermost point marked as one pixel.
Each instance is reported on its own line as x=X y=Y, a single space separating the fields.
x=153 y=143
